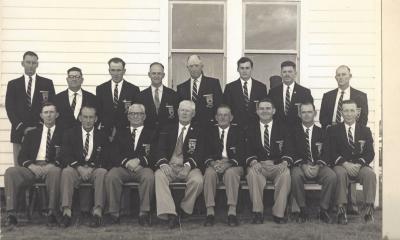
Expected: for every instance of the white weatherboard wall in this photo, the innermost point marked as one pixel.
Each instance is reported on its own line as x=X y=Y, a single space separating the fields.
x=78 y=33
x=336 y=32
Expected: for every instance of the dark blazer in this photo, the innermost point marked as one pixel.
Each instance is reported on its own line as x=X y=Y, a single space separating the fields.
x=192 y=154
x=233 y=96
x=300 y=95
x=255 y=146
x=66 y=118
x=205 y=112
x=340 y=150
x=328 y=106
x=166 y=115
x=235 y=146
x=31 y=144
x=300 y=145
x=144 y=150
x=17 y=107
x=72 y=149
x=108 y=116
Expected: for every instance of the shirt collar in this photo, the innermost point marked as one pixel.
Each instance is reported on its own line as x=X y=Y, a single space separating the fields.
x=226 y=129
x=119 y=84
x=291 y=85
x=269 y=124
x=249 y=81
x=84 y=131
x=138 y=129
x=346 y=91
x=305 y=128
x=160 y=88
x=353 y=126
x=186 y=127
x=71 y=93
x=52 y=128
x=198 y=79
x=27 y=77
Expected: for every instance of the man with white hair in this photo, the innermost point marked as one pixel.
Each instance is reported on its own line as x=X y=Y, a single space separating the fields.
x=204 y=91
x=180 y=156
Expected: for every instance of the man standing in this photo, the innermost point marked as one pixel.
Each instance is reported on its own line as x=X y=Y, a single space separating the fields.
x=351 y=149
x=38 y=160
x=114 y=98
x=310 y=163
x=226 y=155
x=180 y=154
x=70 y=101
x=204 y=91
x=288 y=96
x=244 y=94
x=24 y=98
x=133 y=163
x=332 y=101
x=269 y=150
x=161 y=102
x=82 y=154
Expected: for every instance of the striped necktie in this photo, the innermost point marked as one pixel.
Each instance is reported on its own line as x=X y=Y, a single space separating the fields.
x=48 y=141
x=287 y=100
x=157 y=99
x=246 y=94
x=115 y=98
x=86 y=147
x=134 y=138
x=194 y=90
x=73 y=104
x=221 y=141
x=339 y=108
x=266 y=140
x=351 y=139
x=308 y=150
x=28 y=92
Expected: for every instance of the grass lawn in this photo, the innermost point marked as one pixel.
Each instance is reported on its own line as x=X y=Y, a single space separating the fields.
x=192 y=228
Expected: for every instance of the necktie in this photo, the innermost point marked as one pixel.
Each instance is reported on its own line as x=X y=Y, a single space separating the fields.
x=221 y=140
x=86 y=147
x=48 y=140
x=134 y=137
x=115 y=99
x=28 y=92
x=339 y=108
x=246 y=94
x=156 y=100
x=73 y=104
x=351 y=139
x=194 y=91
x=266 y=140
x=179 y=143
x=308 y=151
x=287 y=100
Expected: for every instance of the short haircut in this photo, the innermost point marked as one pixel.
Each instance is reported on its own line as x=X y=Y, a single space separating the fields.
x=137 y=104
x=223 y=105
x=75 y=69
x=191 y=103
x=157 y=63
x=116 y=60
x=344 y=66
x=306 y=104
x=349 y=101
x=88 y=106
x=30 y=53
x=268 y=100
x=244 y=60
x=46 y=104
x=288 y=64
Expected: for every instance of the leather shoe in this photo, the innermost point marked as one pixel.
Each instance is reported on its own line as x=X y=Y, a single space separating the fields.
x=233 y=221
x=342 y=216
x=96 y=221
x=209 y=220
x=11 y=221
x=51 y=220
x=144 y=220
x=258 y=218
x=352 y=210
x=65 y=221
x=303 y=216
x=278 y=220
x=324 y=216
x=369 y=214
x=182 y=214
x=114 y=219
x=173 y=221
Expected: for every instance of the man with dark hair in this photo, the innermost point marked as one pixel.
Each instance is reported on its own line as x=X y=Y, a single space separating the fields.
x=311 y=163
x=83 y=156
x=351 y=150
x=204 y=91
x=244 y=94
x=70 y=101
x=24 y=98
x=269 y=155
x=161 y=102
x=133 y=162
x=288 y=96
x=114 y=97
x=38 y=160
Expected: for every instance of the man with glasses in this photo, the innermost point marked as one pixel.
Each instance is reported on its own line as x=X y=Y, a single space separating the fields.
x=133 y=162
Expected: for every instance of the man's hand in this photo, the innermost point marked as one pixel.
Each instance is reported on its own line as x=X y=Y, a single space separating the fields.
x=351 y=168
x=225 y=164
x=46 y=169
x=26 y=130
x=132 y=164
x=37 y=170
x=84 y=172
x=184 y=172
x=310 y=171
x=256 y=166
x=167 y=170
x=282 y=166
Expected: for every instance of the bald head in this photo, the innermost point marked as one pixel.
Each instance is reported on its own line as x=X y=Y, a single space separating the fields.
x=195 y=66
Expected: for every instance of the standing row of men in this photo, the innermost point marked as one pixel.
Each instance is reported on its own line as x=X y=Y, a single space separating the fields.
x=266 y=149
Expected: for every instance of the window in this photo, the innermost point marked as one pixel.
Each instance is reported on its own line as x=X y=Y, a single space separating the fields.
x=196 y=27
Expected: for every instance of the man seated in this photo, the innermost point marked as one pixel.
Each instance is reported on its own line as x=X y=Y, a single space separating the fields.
x=226 y=155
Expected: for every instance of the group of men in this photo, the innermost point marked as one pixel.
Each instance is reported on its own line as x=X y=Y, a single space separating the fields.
x=198 y=135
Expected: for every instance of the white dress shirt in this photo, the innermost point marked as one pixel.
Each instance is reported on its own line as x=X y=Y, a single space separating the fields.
x=119 y=88
x=32 y=86
x=284 y=92
x=78 y=101
x=346 y=96
x=90 y=150
x=249 y=84
x=137 y=134
x=198 y=85
x=226 y=130
x=262 y=129
x=160 y=91
x=184 y=133
x=353 y=131
x=43 y=142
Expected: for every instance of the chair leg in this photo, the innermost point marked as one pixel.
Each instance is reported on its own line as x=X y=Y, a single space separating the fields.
x=33 y=200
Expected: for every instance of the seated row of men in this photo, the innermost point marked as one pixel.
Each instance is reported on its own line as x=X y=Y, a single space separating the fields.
x=183 y=151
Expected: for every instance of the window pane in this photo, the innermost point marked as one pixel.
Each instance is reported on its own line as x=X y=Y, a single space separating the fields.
x=213 y=67
x=271 y=26
x=267 y=65
x=197 y=26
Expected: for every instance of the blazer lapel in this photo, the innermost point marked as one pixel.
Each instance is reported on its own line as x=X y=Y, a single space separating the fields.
x=36 y=144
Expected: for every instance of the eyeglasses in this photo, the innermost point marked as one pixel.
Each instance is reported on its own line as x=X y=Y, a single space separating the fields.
x=136 y=113
x=74 y=77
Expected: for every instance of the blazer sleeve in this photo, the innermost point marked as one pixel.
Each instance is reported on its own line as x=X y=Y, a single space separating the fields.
x=52 y=91
x=162 y=149
x=218 y=93
x=368 y=153
x=323 y=114
x=23 y=157
x=67 y=151
x=363 y=120
x=11 y=96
